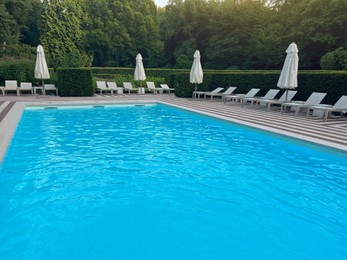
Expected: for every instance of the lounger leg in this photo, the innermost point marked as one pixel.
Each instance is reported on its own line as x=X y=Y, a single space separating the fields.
x=326 y=115
x=283 y=107
x=297 y=110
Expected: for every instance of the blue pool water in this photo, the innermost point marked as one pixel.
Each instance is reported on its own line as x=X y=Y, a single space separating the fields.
x=154 y=182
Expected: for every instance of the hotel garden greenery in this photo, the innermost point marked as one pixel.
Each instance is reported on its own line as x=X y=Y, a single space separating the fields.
x=236 y=38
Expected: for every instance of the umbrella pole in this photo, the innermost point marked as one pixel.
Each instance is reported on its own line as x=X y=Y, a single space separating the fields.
x=286 y=96
x=195 y=91
x=43 y=87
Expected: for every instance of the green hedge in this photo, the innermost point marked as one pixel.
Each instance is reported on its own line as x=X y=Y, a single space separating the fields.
x=75 y=82
x=23 y=71
x=150 y=72
x=332 y=82
x=20 y=70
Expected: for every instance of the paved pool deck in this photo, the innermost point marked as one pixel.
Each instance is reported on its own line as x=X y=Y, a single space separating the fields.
x=313 y=130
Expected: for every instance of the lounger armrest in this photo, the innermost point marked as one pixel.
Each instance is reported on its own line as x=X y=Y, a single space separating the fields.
x=322 y=107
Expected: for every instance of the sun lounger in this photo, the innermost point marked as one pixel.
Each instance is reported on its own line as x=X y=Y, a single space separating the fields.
x=129 y=87
x=197 y=94
x=280 y=101
x=101 y=86
x=314 y=99
x=229 y=91
x=165 y=87
x=51 y=87
x=10 y=85
x=238 y=97
x=113 y=86
x=26 y=86
x=151 y=87
x=268 y=96
x=340 y=106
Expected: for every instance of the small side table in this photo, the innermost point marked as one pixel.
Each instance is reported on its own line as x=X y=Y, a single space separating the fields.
x=197 y=94
x=38 y=88
x=141 y=91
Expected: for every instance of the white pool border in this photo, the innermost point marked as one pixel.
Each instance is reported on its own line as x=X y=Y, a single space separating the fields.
x=9 y=124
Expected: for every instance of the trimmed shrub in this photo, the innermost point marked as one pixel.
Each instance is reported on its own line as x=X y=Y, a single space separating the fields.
x=332 y=82
x=243 y=80
x=129 y=72
x=20 y=70
x=75 y=82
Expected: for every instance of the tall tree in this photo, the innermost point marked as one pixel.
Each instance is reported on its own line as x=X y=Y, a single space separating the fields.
x=9 y=31
x=118 y=29
x=27 y=15
x=184 y=28
x=232 y=29
x=317 y=26
x=62 y=35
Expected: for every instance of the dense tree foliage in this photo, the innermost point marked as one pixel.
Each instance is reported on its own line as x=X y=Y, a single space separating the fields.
x=62 y=34
x=230 y=34
x=248 y=34
x=116 y=30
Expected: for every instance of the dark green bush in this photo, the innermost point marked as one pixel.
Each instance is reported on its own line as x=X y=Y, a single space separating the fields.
x=75 y=82
x=244 y=81
x=129 y=72
x=335 y=60
x=20 y=70
x=332 y=82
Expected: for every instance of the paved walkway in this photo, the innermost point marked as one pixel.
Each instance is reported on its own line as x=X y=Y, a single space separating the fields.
x=332 y=133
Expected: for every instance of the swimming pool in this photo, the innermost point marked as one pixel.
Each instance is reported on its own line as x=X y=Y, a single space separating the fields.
x=155 y=182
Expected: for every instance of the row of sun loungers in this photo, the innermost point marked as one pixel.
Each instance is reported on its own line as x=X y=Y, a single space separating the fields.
x=285 y=101
x=102 y=86
x=12 y=86
x=112 y=88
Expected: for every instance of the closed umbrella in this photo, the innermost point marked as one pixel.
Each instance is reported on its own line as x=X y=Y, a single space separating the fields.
x=139 y=73
x=41 y=69
x=289 y=74
x=196 y=74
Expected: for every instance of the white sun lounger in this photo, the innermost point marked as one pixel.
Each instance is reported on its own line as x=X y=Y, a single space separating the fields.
x=314 y=99
x=26 y=86
x=165 y=87
x=151 y=87
x=197 y=94
x=113 y=86
x=129 y=87
x=10 y=85
x=340 y=106
x=229 y=91
x=238 y=97
x=101 y=86
x=268 y=96
x=51 y=87
x=281 y=100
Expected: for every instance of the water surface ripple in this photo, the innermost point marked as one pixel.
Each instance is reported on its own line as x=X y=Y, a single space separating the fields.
x=154 y=182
